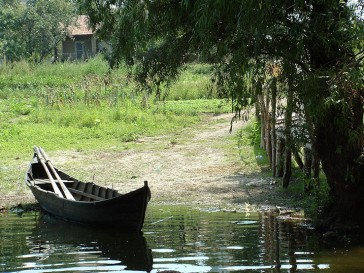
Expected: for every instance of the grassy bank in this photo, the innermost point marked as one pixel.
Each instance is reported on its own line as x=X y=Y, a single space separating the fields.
x=83 y=106
x=65 y=104
x=92 y=127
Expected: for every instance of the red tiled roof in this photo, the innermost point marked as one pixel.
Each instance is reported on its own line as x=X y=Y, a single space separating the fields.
x=81 y=27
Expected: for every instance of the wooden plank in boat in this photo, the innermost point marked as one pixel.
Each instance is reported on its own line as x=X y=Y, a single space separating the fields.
x=84 y=194
x=91 y=196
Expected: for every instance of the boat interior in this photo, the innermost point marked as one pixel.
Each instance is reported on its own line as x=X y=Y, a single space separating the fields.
x=81 y=191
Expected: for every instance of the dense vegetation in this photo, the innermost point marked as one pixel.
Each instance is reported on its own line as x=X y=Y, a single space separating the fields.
x=69 y=106
x=308 y=54
x=68 y=102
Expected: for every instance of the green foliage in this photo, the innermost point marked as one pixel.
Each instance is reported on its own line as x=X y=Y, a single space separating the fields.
x=309 y=42
x=60 y=82
x=249 y=136
x=12 y=43
x=313 y=203
x=252 y=135
x=193 y=83
x=57 y=83
x=20 y=108
x=67 y=105
x=46 y=23
x=33 y=29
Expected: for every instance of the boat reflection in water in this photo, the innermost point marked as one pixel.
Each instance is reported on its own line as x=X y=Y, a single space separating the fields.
x=56 y=245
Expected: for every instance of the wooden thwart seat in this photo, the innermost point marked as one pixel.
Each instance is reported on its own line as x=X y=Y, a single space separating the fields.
x=95 y=197
x=88 y=195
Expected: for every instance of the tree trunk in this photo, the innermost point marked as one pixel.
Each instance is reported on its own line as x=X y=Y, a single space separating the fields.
x=314 y=158
x=273 y=126
x=257 y=111
x=307 y=168
x=266 y=124
x=263 y=119
x=268 y=136
x=287 y=167
x=339 y=125
x=315 y=166
x=288 y=138
x=280 y=156
x=55 y=55
x=298 y=158
x=307 y=161
x=268 y=129
x=343 y=163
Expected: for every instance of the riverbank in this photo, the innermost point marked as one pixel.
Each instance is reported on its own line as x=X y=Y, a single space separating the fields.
x=199 y=165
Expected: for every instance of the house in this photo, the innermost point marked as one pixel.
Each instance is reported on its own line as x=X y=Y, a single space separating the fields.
x=81 y=42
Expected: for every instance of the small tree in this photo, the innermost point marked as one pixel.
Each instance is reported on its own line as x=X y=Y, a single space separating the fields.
x=12 y=46
x=45 y=24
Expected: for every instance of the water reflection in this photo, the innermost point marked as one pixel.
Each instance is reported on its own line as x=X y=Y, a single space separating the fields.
x=179 y=238
x=289 y=246
x=54 y=245
x=200 y=241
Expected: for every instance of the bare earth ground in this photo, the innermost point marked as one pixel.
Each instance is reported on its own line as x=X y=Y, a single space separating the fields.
x=198 y=166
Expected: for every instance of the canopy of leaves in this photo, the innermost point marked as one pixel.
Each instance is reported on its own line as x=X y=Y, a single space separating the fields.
x=237 y=36
x=315 y=47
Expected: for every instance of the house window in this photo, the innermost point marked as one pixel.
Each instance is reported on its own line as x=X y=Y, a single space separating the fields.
x=79 y=50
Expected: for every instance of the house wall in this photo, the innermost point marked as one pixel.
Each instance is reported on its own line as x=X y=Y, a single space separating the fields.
x=69 y=47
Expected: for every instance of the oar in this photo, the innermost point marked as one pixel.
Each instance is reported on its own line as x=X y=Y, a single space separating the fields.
x=59 y=179
x=54 y=185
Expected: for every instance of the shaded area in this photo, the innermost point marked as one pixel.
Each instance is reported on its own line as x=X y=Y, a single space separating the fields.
x=47 y=244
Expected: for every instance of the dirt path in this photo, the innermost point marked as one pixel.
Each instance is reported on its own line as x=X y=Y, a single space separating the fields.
x=198 y=165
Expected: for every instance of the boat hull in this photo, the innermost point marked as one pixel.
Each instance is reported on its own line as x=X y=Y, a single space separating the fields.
x=110 y=207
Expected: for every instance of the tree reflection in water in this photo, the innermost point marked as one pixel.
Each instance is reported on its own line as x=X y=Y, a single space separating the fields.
x=179 y=238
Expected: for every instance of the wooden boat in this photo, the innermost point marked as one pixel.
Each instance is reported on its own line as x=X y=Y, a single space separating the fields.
x=89 y=203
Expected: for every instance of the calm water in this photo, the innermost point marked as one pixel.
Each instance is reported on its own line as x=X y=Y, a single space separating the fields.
x=174 y=238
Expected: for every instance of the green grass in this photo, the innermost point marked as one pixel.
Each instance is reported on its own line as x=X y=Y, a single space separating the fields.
x=248 y=137
x=22 y=74
x=68 y=106
x=193 y=84
x=24 y=79
x=88 y=127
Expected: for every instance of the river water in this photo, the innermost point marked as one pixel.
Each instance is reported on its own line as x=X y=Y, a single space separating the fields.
x=175 y=238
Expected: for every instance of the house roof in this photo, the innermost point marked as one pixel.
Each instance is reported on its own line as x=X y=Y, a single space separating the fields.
x=81 y=27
